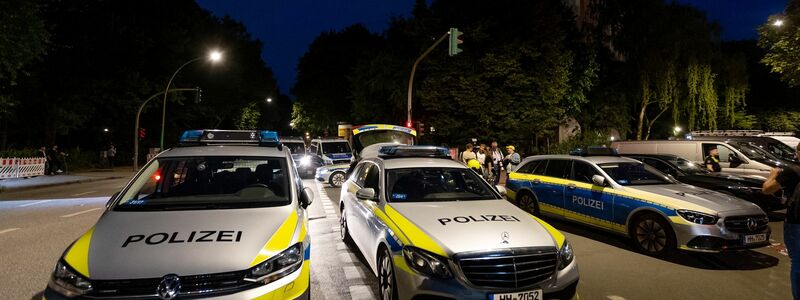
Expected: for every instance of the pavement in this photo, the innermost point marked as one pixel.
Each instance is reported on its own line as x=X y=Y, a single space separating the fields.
x=17 y=184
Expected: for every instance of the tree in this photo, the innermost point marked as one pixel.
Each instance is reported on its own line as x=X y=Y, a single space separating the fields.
x=249 y=117
x=781 y=40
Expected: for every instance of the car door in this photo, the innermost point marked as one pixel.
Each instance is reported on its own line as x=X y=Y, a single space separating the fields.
x=355 y=210
x=373 y=227
x=725 y=152
x=585 y=198
x=549 y=185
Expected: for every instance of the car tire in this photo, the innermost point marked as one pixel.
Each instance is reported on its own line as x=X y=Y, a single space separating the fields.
x=387 y=284
x=528 y=203
x=652 y=235
x=344 y=232
x=337 y=179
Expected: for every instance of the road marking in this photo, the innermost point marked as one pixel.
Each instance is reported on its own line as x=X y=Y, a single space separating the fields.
x=81 y=212
x=346 y=257
x=352 y=273
x=84 y=193
x=8 y=230
x=615 y=297
x=34 y=203
x=361 y=292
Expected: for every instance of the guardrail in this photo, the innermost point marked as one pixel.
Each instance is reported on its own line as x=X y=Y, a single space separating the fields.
x=20 y=167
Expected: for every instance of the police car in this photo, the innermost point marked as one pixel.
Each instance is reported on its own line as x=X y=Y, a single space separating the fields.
x=335 y=175
x=630 y=198
x=223 y=215
x=430 y=227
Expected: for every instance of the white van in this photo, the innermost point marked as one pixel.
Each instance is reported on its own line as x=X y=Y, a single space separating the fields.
x=731 y=160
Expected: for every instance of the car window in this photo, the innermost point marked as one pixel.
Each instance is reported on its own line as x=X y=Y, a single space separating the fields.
x=558 y=168
x=313 y=148
x=213 y=182
x=436 y=184
x=295 y=147
x=335 y=147
x=362 y=174
x=372 y=179
x=724 y=151
x=659 y=165
x=529 y=167
x=583 y=172
x=634 y=173
x=540 y=168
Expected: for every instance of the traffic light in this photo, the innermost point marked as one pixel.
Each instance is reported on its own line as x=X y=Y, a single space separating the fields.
x=455 y=41
x=199 y=95
x=142 y=133
x=409 y=124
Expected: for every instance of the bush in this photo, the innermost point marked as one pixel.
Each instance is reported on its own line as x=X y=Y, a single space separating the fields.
x=19 y=153
x=582 y=140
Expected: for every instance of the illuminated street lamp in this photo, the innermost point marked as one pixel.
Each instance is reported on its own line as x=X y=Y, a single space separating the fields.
x=269 y=100
x=105 y=129
x=777 y=23
x=213 y=56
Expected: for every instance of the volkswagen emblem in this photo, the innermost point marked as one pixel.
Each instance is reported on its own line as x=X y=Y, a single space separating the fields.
x=169 y=287
x=210 y=135
x=752 y=224
x=505 y=237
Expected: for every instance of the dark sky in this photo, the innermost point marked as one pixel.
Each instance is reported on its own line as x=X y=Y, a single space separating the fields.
x=287 y=27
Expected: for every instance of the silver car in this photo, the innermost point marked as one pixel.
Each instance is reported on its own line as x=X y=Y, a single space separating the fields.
x=223 y=217
x=430 y=227
x=335 y=175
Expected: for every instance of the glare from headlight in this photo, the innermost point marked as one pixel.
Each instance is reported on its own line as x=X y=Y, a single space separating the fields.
x=67 y=282
x=697 y=217
x=565 y=255
x=277 y=267
x=305 y=161
x=426 y=263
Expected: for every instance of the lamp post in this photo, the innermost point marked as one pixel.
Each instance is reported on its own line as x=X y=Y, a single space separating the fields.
x=136 y=127
x=214 y=56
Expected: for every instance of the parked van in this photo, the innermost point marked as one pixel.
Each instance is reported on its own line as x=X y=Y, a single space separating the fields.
x=746 y=144
x=731 y=160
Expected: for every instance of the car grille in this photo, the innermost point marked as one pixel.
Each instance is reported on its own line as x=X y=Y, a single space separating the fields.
x=195 y=285
x=740 y=223
x=512 y=268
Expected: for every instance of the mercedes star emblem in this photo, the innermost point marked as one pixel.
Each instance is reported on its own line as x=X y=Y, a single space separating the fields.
x=169 y=287
x=752 y=224
x=505 y=237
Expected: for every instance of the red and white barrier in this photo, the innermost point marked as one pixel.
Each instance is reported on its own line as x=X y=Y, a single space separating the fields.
x=14 y=167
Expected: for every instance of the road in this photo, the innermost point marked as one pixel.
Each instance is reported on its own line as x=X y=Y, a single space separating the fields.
x=37 y=225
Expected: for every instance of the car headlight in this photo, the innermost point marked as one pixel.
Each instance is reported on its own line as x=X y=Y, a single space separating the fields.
x=66 y=281
x=305 y=161
x=277 y=267
x=697 y=217
x=565 y=255
x=426 y=262
x=746 y=189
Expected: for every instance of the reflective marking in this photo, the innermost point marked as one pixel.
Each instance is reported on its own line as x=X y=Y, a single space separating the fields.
x=8 y=230
x=279 y=241
x=84 y=193
x=34 y=203
x=78 y=255
x=81 y=212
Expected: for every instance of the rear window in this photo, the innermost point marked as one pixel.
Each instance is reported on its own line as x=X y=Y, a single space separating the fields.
x=557 y=168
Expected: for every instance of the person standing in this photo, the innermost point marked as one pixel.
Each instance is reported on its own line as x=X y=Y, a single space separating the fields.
x=497 y=162
x=787 y=178
x=481 y=156
x=112 y=152
x=712 y=160
x=55 y=162
x=43 y=153
x=468 y=154
x=512 y=159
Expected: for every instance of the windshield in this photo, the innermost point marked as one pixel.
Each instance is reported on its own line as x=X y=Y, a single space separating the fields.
x=687 y=166
x=208 y=183
x=364 y=139
x=335 y=147
x=633 y=174
x=296 y=147
x=781 y=150
x=752 y=152
x=436 y=184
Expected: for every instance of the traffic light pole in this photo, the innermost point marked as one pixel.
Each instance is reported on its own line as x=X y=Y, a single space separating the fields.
x=414 y=71
x=136 y=126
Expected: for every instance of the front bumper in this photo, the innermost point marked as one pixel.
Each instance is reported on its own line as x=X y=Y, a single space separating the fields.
x=413 y=285
x=293 y=286
x=713 y=238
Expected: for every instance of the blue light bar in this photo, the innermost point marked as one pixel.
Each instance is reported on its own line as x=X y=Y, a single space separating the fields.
x=191 y=136
x=267 y=136
x=413 y=151
x=222 y=137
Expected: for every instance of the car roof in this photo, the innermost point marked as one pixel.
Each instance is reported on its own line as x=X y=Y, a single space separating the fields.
x=329 y=140
x=662 y=156
x=225 y=150
x=291 y=139
x=589 y=159
x=419 y=162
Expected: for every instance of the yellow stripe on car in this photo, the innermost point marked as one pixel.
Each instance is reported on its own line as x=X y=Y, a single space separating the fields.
x=294 y=289
x=418 y=237
x=557 y=235
x=78 y=255
x=570 y=215
x=392 y=226
x=279 y=241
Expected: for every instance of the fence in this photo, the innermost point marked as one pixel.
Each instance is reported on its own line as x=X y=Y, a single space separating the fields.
x=21 y=167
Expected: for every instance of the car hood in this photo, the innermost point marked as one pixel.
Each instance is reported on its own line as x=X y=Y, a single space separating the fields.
x=224 y=240
x=733 y=179
x=463 y=226
x=695 y=198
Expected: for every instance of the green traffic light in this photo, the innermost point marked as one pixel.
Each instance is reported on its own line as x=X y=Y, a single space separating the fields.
x=455 y=41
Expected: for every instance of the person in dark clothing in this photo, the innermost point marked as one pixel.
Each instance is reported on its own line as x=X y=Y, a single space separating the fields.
x=787 y=178
x=712 y=160
x=53 y=158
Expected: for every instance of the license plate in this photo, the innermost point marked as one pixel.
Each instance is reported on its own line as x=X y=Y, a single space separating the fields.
x=755 y=238
x=526 y=295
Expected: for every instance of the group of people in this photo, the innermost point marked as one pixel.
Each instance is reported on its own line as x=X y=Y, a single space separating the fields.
x=490 y=161
x=55 y=161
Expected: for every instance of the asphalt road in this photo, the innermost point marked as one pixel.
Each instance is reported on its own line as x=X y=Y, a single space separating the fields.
x=37 y=225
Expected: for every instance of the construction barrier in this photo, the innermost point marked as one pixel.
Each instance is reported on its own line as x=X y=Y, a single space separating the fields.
x=21 y=167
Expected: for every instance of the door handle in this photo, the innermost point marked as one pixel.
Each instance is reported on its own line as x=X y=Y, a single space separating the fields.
x=537 y=181
x=571 y=186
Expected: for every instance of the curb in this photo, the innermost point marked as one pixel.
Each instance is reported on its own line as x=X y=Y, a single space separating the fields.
x=33 y=187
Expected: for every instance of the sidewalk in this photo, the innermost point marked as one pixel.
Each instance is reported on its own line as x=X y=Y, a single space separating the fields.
x=17 y=184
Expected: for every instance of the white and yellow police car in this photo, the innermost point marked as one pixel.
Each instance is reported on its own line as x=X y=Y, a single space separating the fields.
x=430 y=227
x=627 y=197
x=221 y=216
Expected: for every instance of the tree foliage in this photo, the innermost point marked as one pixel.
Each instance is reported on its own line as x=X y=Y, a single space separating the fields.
x=783 y=54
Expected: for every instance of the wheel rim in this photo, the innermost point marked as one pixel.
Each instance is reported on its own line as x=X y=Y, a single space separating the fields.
x=337 y=179
x=651 y=236
x=386 y=277
x=526 y=202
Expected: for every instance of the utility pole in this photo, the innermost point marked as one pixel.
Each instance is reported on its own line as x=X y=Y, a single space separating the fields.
x=136 y=126
x=452 y=50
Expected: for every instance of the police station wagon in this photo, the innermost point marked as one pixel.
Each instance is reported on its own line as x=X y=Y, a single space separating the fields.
x=221 y=216
x=627 y=197
x=429 y=227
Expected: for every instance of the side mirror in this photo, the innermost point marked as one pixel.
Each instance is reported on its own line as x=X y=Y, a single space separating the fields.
x=734 y=160
x=366 y=194
x=306 y=197
x=501 y=189
x=111 y=200
x=599 y=180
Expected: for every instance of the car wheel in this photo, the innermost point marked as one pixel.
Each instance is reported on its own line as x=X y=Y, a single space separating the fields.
x=652 y=235
x=528 y=203
x=387 y=285
x=337 y=179
x=344 y=232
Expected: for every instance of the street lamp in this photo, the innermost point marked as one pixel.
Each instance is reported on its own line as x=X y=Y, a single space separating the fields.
x=269 y=100
x=777 y=23
x=105 y=129
x=213 y=56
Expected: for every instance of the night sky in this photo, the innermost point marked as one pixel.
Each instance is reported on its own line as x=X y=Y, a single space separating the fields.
x=287 y=27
